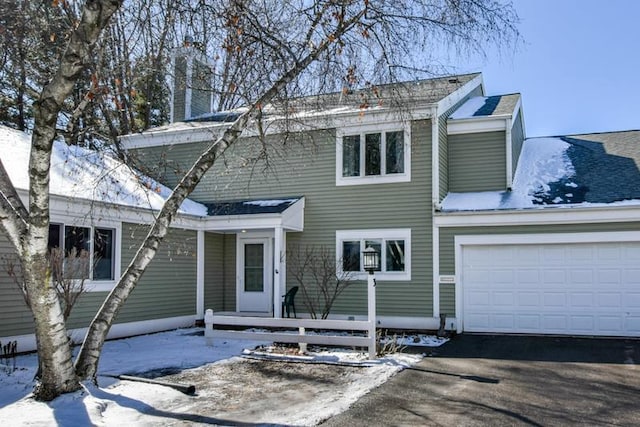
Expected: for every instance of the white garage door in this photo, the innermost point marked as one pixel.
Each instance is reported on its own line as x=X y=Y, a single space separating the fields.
x=576 y=289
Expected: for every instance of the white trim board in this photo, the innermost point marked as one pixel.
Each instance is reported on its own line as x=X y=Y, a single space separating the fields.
x=550 y=215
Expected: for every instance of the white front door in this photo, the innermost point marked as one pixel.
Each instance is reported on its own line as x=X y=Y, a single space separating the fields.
x=254 y=278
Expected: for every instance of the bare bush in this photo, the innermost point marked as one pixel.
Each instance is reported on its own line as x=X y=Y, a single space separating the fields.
x=319 y=276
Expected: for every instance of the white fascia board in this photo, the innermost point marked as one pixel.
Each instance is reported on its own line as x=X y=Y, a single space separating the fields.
x=557 y=215
x=94 y=213
x=457 y=95
x=292 y=219
x=183 y=135
x=476 y=125
x=211 y=132
x=293 y=216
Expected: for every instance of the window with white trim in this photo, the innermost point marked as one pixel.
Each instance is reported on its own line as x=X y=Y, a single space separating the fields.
x=394 y=246
x=91 y=249
x=373 y=155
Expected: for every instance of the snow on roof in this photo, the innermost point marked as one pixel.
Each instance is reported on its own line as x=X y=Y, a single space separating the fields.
x=80 y=173
x=550 y=173
x=486 y=106
x=542 y=161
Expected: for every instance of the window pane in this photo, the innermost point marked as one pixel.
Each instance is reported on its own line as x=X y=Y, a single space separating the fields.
x=351 y=256
x=103 y=258
x=395 y=152
x=395 y=255
x=54 y=236
x=351 y=155
x=377 y=245
x=76 y=249
x=253 y=267
x=372 y=154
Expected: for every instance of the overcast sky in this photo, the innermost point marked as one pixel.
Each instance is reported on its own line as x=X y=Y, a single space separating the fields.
x=578 y=69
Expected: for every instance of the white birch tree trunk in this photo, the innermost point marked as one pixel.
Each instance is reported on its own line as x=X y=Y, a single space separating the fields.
x=29 y=231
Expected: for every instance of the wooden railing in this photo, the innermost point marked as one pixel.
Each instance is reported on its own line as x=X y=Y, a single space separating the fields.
x=367 y=339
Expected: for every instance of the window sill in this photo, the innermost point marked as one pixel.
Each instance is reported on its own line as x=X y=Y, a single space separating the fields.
x=99 y=285
x=372 y=179
x=382 y=277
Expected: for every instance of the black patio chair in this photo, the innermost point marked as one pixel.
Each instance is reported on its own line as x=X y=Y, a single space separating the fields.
x=288 y=302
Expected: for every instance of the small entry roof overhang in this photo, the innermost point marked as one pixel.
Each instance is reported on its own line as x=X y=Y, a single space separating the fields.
x=258 y=214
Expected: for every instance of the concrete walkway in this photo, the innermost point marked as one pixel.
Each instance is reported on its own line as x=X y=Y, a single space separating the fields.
x=510 y=380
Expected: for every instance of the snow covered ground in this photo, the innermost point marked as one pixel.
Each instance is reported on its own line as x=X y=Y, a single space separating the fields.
x=229 y=388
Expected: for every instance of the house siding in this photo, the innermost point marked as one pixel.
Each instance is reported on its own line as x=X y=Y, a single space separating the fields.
x=477 y=162
x=15 y=316
x=443 y=150
x=448 y=299
x=214 y=271
x=167 y=289
x=447 y=236
x=517 y=139
x=305 y=165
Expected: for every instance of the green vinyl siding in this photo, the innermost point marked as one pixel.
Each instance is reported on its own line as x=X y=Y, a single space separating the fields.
x=219 y=272
x=448 y=299
x=15 y=316
x=305 y=165
x=213 y=271
x=443 y=145
x=517 y=139
x=168 y=287
x=477 y=162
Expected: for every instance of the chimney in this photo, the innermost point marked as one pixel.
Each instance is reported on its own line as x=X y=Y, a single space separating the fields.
x=191 y=82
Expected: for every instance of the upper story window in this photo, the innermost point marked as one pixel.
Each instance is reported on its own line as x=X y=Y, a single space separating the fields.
x=373 y=154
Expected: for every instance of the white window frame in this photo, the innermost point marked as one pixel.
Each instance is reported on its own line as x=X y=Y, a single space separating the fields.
x=383 y=234
x=90 y=284
x=383 y=178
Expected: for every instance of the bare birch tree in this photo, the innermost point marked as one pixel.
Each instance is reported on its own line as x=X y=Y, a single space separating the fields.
x=266 y=52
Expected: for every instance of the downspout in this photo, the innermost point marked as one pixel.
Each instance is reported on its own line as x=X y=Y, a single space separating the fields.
x=435 y=205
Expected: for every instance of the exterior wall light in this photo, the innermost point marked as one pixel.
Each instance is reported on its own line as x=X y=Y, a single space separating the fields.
x=371 y=260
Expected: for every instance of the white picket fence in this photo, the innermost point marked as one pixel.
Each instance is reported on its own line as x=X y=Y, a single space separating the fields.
x=301 y=325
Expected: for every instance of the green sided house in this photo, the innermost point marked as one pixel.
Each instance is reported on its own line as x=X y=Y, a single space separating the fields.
x=499 y=232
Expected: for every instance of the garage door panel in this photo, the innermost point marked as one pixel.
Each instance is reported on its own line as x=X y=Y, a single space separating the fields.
x=609 y=276
x=632 y=301
x=502 y=277
x=583 y=289
x=528 y=299
x=581 y=300
x=610 y=300
x=553 y=277
x=610 y=324
x=631 y=276
x=504 y=299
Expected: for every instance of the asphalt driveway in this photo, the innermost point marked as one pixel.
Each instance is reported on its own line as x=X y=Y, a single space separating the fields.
x=510 y=380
